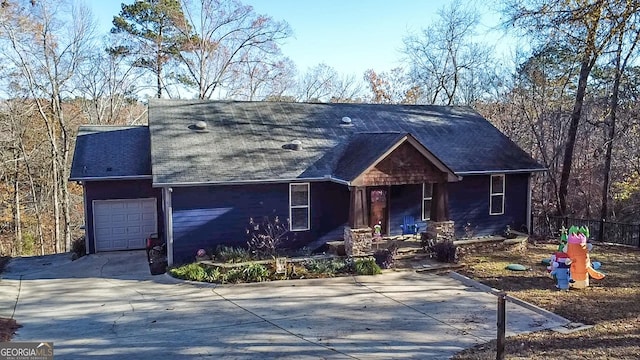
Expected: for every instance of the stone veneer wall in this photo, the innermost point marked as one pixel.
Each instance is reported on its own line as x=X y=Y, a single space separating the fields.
x=441 y=231
x=357 y=242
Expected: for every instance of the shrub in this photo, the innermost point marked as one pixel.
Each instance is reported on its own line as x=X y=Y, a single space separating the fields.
x=255 y=273
x=366 y=266
x=264 y=238
x=384 y=258
x=445 y=251
x=193 y=272
x=28 y=243
x=325 y=266
x=426 y=241
x=78 y=247
x=231 y=254
x=213 y=274
x=234 y=275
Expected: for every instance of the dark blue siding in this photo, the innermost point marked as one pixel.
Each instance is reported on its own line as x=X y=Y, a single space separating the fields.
x=329 y=208
x=207 y=216
x=469 y=203
x=406 y=200
x=121 y=189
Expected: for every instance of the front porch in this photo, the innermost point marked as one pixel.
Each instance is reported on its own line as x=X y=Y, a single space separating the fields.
x=404 y=191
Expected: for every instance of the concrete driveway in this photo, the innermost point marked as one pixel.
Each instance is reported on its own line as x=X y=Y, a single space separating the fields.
x=109 y=306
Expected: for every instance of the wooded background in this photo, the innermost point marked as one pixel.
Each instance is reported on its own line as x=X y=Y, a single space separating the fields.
x=571 y=100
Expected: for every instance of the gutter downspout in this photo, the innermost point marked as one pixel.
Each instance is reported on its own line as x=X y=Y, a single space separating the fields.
x=529 y=214
x=86 y=223
x=168 y=223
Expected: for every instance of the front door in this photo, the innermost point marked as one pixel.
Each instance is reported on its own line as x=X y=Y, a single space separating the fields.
x=379 y=207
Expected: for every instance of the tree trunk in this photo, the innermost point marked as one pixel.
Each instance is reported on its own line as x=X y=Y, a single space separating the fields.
x=34 y=197
x=604 y=209
x=17 y=218
x=56 y=205
x=63 y=155
x=585 y=69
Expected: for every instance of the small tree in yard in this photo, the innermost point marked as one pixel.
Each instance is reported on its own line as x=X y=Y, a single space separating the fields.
x=264 y=238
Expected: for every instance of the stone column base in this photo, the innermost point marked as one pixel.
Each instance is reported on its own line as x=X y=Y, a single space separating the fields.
x=357 y=242
x=441 y=230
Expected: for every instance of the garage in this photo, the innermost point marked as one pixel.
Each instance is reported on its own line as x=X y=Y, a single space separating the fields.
x=123 y=224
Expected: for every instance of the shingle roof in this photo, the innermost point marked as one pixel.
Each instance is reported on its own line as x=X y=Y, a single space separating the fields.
x=111 y=152
x=246 y=141
x=362 y=150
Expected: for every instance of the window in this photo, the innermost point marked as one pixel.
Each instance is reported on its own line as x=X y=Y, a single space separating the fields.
x=496 y=198
x=299 y=207
x=427 y=196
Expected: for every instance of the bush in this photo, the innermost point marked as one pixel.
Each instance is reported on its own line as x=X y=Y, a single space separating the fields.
x=384 y=258
x=213 y=274
x=193 y=272
x=29 y=243
x=426 y=241
x=234 y=275
x=265 y=238
x=255 y=273
x=78 y=247
x=325 y=266
x=366 y=266
x=445 y=251
x=231 y=254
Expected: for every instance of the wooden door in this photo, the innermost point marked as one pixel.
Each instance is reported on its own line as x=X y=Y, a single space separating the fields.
x=379 y=208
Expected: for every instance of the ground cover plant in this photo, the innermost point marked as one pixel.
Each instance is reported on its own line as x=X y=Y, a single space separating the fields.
x=257 y=271
x=612 y=304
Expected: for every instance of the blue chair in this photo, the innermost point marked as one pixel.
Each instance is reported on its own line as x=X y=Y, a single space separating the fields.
x=409 y=226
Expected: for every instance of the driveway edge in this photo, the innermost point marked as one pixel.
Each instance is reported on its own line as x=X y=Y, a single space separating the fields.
x=473 y=283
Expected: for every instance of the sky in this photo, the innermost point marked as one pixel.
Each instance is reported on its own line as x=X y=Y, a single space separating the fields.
x=349 y=35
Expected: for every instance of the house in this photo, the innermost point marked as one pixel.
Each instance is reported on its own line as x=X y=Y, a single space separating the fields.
x=202 y=169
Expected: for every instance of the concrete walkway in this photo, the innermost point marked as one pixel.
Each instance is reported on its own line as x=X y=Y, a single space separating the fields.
x=109 y=306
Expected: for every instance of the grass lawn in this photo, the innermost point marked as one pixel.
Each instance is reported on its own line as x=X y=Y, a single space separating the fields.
x=612 y=304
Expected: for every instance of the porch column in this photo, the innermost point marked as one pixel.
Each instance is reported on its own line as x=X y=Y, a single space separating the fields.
x=440 y=227
x=440 y=202
x=358 y=209
x=357 y=236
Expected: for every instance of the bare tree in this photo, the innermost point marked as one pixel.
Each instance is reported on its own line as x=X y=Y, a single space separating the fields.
x=588 y=27
x=228 y=34
x=322 y=83
x=258 y=78
x=393 y=87
x=444 y=59
x=45 y=42
x=108 y=86
x=626 y=41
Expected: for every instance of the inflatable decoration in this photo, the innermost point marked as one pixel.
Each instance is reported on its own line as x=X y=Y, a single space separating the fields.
x=561 y=274
x=577 y=250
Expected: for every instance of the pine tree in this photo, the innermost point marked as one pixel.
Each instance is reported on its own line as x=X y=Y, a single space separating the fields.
x=153 y=34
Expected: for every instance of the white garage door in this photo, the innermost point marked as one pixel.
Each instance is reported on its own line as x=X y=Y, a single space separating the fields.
x=123 y=224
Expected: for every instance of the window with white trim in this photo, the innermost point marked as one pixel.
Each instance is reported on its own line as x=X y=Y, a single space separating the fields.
x=299 y=207
x=496 y=195
x=427 y=196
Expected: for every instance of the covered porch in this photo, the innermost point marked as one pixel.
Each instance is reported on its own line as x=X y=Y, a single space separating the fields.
x=403 y=191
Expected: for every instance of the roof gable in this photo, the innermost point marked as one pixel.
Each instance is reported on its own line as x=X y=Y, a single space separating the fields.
x=387 y=155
